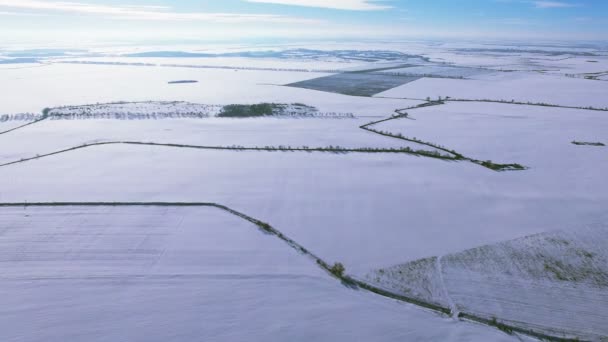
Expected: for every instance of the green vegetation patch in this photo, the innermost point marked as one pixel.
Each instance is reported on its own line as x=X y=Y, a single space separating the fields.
x=338 y=270
x=500 y=167
x=266 y=109
x=254 y=110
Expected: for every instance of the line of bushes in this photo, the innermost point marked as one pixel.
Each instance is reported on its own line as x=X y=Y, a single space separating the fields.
x=452 y=154
x=280 y=148
x=584 y=143
x=41 y=118
x=499 y=167
x=130 y=116
x=542 y=104
x=275 y=109
x=511 y=329
x=401 y=113
x=20 y=117
x=254 y=110
x=337 y=270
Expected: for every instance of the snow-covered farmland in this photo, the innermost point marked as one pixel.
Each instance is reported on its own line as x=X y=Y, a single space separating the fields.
x=31 y=90
x=439 y=71
x=159 y=274
x=272 y=64
x=555 y=283
x=178 y=109
x=355 y=83
x=366 y=210
x=321 y=198
x=517 y=86
x=575 y=65
x=535 y=136
x=9 y=122
x=52 y=134
x=120 y=109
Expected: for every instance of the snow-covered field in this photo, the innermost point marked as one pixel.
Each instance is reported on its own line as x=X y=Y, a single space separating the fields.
x=10 y=122
x=169 y=274
x=178 y=109
x=517 y=86
x=53 y=135
x=535 y=136
x=31 y=90
x=237 y=62
x=183 y=273
x=439 y=71
x=382 y=208
x=125 y=109
x=555 y=283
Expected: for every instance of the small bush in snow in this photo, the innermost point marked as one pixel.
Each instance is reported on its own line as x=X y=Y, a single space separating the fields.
x=338 y=270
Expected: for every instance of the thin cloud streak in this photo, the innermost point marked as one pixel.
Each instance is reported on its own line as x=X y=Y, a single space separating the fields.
x=352 y=5
x=147 y=13
x=553 y=4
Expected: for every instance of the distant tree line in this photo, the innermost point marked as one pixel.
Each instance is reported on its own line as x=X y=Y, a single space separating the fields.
x=20 y=117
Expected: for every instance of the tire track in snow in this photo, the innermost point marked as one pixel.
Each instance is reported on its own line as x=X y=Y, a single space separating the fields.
x=444 y=288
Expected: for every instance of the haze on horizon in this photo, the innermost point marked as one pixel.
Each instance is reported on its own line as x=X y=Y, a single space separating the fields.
x=87 y=21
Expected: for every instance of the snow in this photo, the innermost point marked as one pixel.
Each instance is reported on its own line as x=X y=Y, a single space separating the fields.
x=575 y=65
x=519 y=281
x=238 y=62
x=535 y=136
x=442 y=71
x=9 y=122
x=521 y=87
x=53 y=134
x=159 y=274
x=177 y=274
x=321 y=198
x=31 y=90
x=177 y=109
x=126 y=109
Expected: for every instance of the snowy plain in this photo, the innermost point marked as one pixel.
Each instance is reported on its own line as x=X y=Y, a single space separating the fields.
x=368 y=211
x=174 y=274
x=60 y=134
x=509 y=86
x=519 y=281
x=535 y=136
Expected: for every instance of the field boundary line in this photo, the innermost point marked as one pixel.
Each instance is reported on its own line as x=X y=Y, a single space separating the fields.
x=346 y=280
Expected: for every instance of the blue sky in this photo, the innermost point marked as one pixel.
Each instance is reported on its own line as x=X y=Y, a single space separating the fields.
x=230 y=20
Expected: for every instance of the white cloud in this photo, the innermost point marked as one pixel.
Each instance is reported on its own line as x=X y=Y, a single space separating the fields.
x=151 y=13
x=511 y=21
x=20 y=14
x=353 y=5
x=542 y=4
x=552 y=4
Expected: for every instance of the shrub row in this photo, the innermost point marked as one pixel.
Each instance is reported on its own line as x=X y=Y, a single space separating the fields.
x=583 y=143
x=542 y=104
x=453 y=155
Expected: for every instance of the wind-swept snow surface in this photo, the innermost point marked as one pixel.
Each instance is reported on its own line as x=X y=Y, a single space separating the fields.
x=554 y=283
x=383 y=208
x=536 y=136
x=517 y=86
x=118 y=132
x=183 y=274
